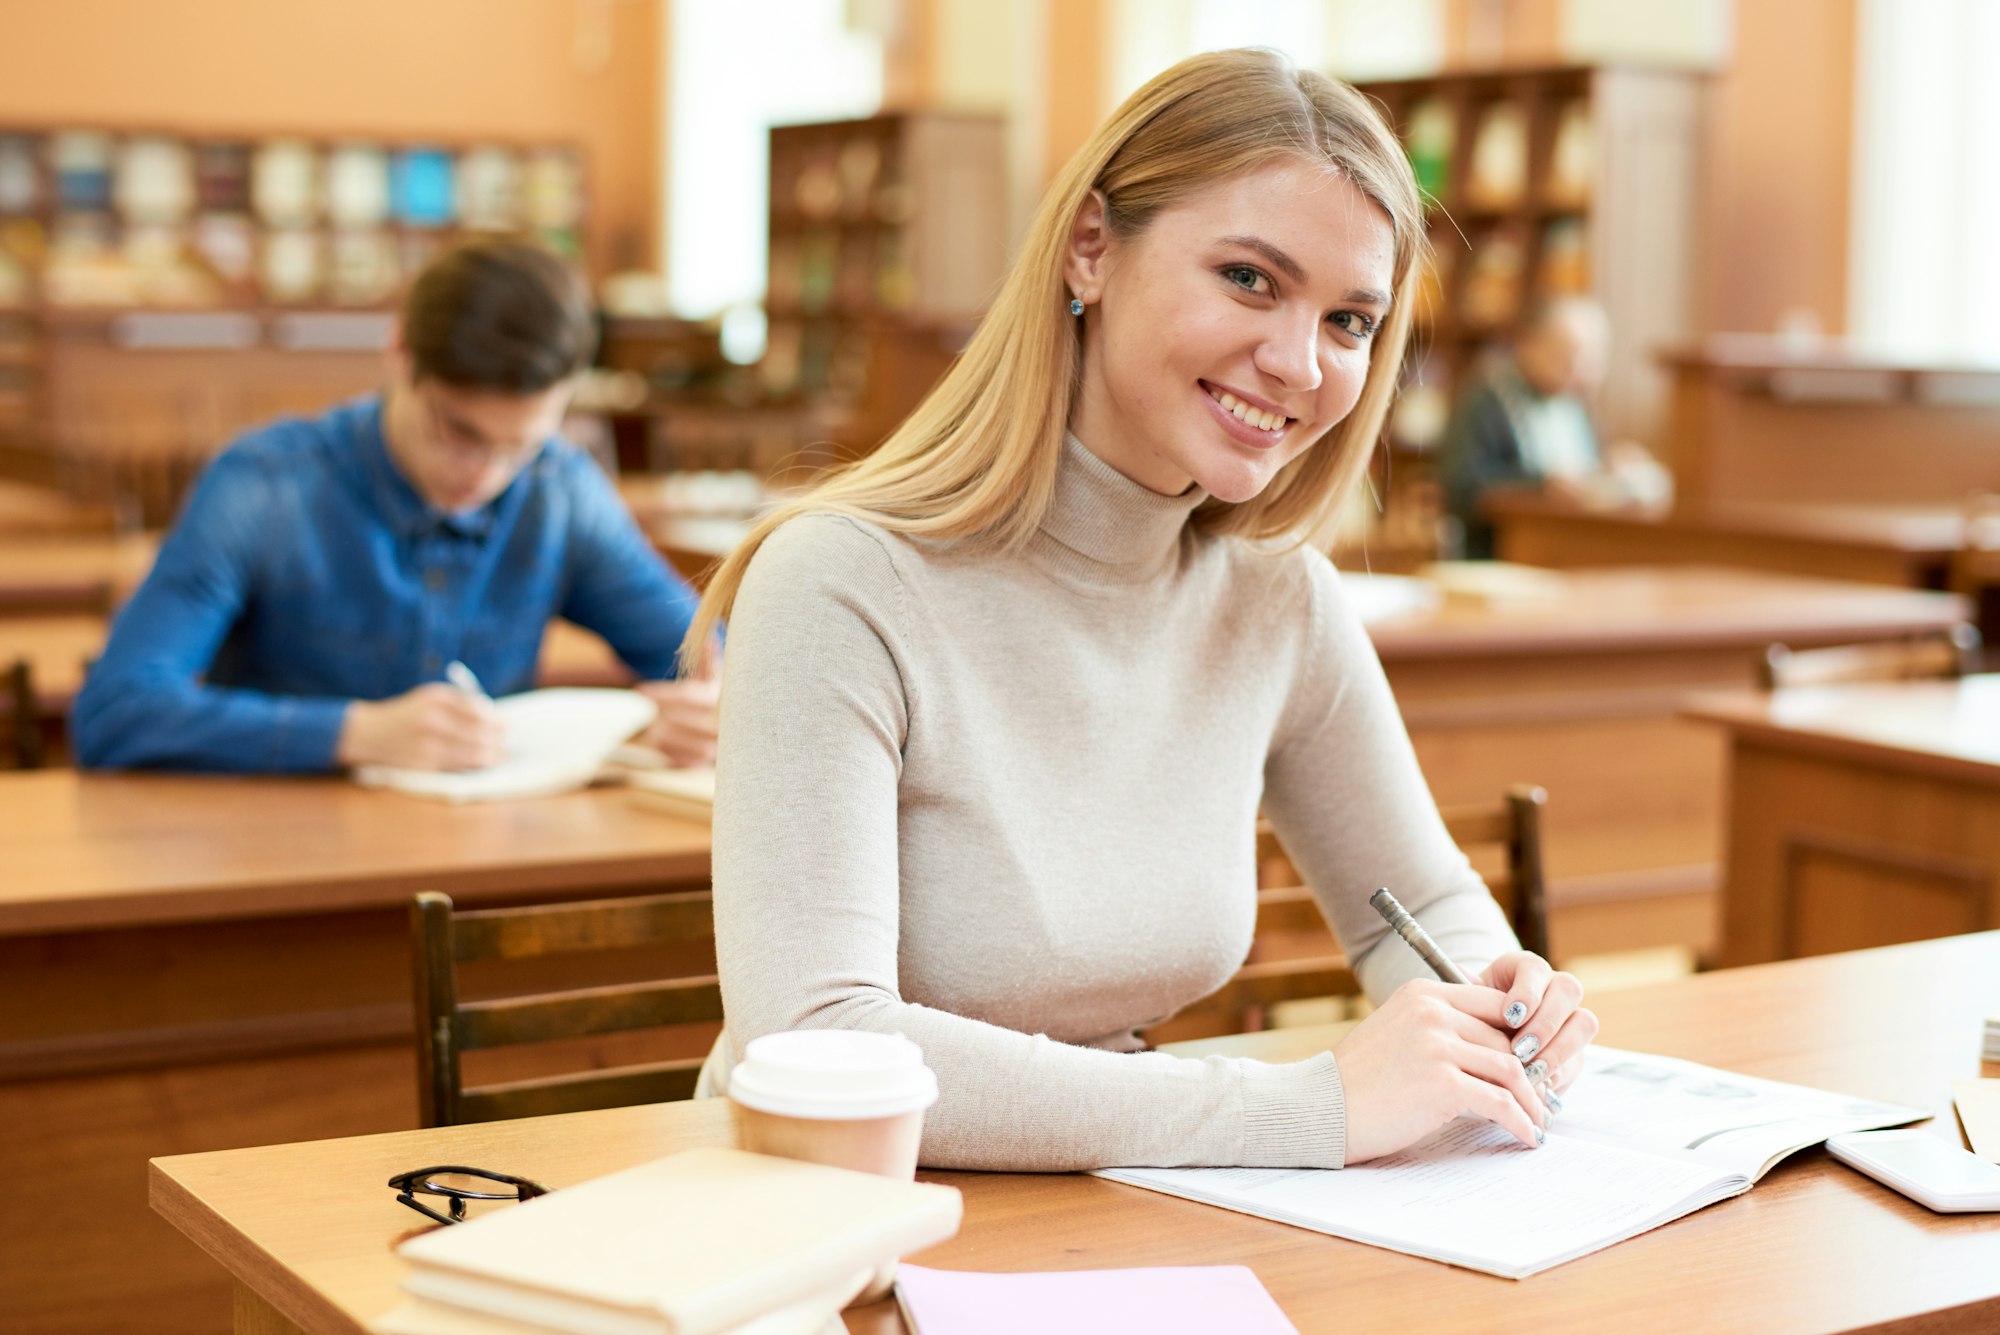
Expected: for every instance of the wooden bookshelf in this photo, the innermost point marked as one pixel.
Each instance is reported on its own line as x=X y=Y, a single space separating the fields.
x=1568 y=179
x=888 y=237
x=162 y=289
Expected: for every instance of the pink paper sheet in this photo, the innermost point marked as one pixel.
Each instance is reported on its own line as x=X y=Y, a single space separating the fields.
x=1165 y=1300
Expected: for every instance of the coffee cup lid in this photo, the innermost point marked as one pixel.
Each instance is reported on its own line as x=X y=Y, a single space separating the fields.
x=833 y=1075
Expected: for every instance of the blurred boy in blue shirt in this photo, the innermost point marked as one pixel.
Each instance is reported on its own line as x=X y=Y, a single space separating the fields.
x=325 y=572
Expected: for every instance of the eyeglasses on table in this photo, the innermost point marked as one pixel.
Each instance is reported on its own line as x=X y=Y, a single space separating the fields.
x=458 y=1184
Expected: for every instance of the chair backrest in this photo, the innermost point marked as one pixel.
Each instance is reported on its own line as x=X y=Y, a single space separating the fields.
x=1953 y=652
x=1975 y=569
x=443 y=938
x=1511 y=828
x=24 y=717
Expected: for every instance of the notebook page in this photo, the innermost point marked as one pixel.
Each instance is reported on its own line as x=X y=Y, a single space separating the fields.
x=1736 y=1122
x=1469 y=1194
x=556 y=741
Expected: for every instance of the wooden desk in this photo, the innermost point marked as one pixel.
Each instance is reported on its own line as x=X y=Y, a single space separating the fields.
x=1908 y=545
x=1582 y=693
x=190 y=963
x=1860 y=815
x=1814 y=1247
x=71 y=574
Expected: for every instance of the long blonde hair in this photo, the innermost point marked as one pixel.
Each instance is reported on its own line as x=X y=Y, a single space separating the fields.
x=977 y=459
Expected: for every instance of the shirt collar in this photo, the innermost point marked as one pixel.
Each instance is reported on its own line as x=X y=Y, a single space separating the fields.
x=406 y=512
x=1113 y=522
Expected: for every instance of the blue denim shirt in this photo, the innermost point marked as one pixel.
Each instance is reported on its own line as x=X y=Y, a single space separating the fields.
x=306 y=572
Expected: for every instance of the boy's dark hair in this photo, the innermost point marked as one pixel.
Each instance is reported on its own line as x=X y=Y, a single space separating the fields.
x=499 y=314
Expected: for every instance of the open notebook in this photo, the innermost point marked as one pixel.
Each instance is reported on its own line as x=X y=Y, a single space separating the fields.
x=1641 y=1140
x=557 y=740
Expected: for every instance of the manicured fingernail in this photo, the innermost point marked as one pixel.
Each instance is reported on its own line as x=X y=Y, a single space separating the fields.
x=1517 y=1011
x=1541 y=1139
x=1549 y=1097
x=1527 y=1047
x=1537 y=1071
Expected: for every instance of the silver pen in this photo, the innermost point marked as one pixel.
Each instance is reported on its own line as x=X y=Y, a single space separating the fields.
x=459 y=675
x=1432 y=954
x=1420 y=941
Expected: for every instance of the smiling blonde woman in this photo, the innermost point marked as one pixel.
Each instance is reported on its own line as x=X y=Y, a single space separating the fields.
x=1003 y=700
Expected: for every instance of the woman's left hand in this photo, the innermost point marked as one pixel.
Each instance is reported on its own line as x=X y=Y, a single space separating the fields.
x=1553 y=1027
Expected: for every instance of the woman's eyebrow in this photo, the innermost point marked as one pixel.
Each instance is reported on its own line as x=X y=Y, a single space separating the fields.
x=1291 y=268
x=1284 y=263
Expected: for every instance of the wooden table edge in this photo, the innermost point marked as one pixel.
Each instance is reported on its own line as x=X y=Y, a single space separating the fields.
x=276 y=898
x=275 y=1284
x=1766 y=735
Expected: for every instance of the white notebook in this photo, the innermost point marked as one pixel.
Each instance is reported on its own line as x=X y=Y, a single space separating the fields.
x=1641 y=1140
x=557 y=740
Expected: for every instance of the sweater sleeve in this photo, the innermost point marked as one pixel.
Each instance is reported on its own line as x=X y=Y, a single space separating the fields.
x=817 y=703
x=1345 y=795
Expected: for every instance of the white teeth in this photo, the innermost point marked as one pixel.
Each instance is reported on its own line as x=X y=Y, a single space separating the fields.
x=1248 y=415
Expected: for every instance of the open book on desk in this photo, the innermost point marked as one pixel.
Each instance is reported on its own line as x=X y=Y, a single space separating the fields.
x=1641 y=1140
x=557 y=740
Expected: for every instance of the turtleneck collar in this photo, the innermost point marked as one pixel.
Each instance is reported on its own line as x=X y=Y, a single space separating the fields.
x=1120 y=529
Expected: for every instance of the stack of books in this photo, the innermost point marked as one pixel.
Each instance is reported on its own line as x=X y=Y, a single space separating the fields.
x=1990 y=1045
x=705 y=1242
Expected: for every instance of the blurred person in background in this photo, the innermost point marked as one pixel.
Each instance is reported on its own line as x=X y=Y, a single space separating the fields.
x=1522 y=423
x=327 y=571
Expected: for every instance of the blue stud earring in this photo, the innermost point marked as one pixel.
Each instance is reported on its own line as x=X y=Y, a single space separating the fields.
x=1076 y=305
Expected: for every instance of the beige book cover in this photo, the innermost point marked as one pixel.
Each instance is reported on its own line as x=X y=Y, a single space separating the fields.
x=687 y=793
x=1978 y=1104
x=693 y=1244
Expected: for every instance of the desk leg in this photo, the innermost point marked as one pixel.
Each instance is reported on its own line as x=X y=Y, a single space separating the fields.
x=254 y=1316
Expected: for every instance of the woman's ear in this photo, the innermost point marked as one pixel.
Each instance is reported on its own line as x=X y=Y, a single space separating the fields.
x=1089 y=241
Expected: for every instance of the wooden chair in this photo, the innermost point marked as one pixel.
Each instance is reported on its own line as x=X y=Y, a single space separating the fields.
x=1512 y=827
x=24 y=717
x=1944 y=654
x=442 y=939
x=1975 y=568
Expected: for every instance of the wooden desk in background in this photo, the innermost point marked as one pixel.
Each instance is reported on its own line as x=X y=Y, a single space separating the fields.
x=1582 y=692
x=1859 y=815
x=307 y=1231
x=53 y=574
x=58 y=645
x=1909 y=545
x=191 y=962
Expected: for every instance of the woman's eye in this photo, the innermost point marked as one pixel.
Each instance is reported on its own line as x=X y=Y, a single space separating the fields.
x=1247 y=278
x=1357 y=323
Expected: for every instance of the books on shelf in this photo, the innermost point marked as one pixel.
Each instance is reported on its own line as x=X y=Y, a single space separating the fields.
x=1433 y=135
x=1642 y=1140
x=1491 y=294
x=1572 y=158
x=1498 y=175
x=703 y=1242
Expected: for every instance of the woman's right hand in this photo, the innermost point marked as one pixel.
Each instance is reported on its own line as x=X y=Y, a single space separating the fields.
x=1432 y=1052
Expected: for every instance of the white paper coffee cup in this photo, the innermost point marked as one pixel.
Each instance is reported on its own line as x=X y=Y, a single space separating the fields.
x=833 y=1075
x=835 y=1096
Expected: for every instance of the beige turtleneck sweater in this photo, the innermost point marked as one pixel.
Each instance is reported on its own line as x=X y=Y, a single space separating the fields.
x=1006 y=806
